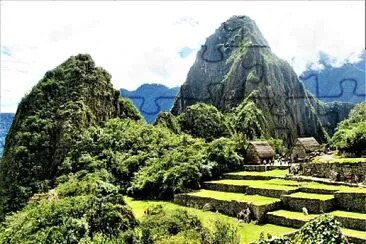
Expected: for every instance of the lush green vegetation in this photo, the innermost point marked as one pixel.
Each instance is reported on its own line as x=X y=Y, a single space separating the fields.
x=84 y=209
x=151 y=162
x=312 y=196
x=76 y=149
x=204 y=121
x=323 y=229
x=49 y=120
x=249 y=120
x=230 y=196
x=350 y=135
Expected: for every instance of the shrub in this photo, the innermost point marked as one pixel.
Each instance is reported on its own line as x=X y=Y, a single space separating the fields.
x=323 y=229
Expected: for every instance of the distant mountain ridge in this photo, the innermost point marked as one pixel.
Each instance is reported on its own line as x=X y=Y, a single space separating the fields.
x=5 y=123
x=151 y=99
x=343 y=84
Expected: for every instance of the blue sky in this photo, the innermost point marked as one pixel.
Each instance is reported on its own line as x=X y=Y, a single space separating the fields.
x=139 y=42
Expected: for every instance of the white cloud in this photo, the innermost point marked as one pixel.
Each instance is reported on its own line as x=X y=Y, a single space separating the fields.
x=139 y=42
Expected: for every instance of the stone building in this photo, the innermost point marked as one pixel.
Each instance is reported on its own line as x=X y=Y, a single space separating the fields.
x=304 y=148
x=258 y=152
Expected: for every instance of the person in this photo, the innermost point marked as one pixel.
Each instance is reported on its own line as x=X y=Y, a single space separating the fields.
x=261 y=237
x=265 y=165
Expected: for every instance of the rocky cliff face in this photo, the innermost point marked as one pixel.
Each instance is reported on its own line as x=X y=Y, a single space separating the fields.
x=236 y=63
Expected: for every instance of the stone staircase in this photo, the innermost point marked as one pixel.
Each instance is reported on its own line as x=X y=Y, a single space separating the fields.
x=275 y=200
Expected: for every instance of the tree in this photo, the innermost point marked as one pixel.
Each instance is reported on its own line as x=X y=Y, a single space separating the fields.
x=350 y=135
x=205 y=121
x=249 y=120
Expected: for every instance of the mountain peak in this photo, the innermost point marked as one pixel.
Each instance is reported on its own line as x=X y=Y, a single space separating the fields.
x=235 y=64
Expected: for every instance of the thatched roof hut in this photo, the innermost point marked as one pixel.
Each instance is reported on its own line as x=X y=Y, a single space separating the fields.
x=258 y=151
x=303 y=147
x=310 y=144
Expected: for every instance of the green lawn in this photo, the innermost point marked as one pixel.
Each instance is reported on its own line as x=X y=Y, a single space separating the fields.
x=312 y=196
x=355 y=233
x=248 y=232
x=230 y=196
x=293 y=215
x=275 y=173
x=349 y=214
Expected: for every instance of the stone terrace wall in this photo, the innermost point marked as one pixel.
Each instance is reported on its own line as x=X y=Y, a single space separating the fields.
x=281 y=220
x=351 y=201
x=352 y=223
x=324 y=170
x=225 y=187
x=313 y=205
x=231 y=208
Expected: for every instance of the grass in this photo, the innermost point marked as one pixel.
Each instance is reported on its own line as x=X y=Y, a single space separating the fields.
x=337 y=159
x=316 y=185
x=322 y=197
x=262 y=184
x=355 y=233
x=234 y=182
x=285 y=182
x=230 y=196
x=274 y=173
x=293 y=215
x=349 y=214
x=281 y=184
x=248 y=232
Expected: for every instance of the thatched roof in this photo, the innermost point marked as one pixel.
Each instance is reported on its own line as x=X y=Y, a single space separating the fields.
x=263 y=149
x=309 y=143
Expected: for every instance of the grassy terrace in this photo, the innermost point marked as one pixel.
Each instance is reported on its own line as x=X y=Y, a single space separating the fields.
x=349 y=214
x=286 y=182
x=263 y=184
x=282 y=184
x=293 y=215
x=355 y=233
x=275 y=173
x=248 y=232
x=322 y=197
x=337 y=159
x=235 y=182
x=229 y=196
x=316 y=185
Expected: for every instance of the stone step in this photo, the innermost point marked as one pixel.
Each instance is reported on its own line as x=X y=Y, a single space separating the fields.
x=351 y=200
x=354 y=236
x=261 y=168
x=289 y=218
x=271 y=190
x=314 y=203
x=229 y=203
x=253 y=175
x=227 y=185
x=354 y=222
x=251 y=187
x=351 y=220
